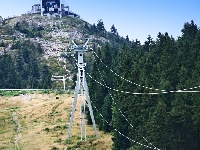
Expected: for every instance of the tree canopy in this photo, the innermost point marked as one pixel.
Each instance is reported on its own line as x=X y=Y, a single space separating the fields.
x=168 y=120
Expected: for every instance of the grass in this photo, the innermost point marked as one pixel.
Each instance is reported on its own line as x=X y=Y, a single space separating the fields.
x=7 y=126
x=44 y=123
x=14 y=93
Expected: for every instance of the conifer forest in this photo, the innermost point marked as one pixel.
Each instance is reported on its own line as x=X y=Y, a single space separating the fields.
x=168 y=120
x=24 y=69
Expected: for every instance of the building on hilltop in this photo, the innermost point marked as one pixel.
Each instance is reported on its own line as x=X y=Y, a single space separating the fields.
x=1 y=21
x=52 y=8
x=36 y=9
x=63 y=8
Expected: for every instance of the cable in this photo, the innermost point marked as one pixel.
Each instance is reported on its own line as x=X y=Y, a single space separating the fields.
x=130 y=123
x=122 y=133
x=137 y=93
x=163 y=91
x=120 y=109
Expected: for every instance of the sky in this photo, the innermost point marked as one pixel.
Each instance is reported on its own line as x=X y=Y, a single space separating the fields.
x=135 y=18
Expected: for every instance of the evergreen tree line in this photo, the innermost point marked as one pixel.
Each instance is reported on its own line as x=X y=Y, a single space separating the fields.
x=169 y=121
x=24 y=68
x=100 y=31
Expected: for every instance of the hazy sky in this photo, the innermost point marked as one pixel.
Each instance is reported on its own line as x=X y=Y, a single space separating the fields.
x=135 y=18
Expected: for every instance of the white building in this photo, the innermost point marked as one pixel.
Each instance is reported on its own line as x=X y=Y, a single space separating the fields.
x=52 y=8
x=36 y=9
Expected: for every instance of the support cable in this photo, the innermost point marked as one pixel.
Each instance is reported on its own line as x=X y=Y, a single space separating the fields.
x=131 y=140
x=150 y=88
x=130 y=123
x=139 y=93
x=120 y=109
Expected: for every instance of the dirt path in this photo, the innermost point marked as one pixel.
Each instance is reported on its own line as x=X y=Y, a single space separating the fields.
x=19 y=135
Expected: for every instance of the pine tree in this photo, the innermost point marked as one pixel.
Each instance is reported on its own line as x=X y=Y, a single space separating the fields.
x=113 y=29
x=121 y=101
x=7 y=72
x=100 y=26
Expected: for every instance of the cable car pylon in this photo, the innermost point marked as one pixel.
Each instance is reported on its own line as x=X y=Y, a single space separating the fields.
x=81 y=87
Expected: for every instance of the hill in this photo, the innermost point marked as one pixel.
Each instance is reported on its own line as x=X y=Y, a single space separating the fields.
x=146 y=95
x=35 y=48
x=45 y=41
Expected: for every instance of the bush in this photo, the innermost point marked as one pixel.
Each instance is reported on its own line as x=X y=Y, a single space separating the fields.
x=58 y=141
x=47 y=130
x=68 y=141
x=10 y=93
x=55 y=148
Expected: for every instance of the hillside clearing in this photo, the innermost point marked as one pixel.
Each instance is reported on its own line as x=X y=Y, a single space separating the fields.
x=41 y=123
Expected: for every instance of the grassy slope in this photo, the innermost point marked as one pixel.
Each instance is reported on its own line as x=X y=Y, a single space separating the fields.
x=44 y=122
